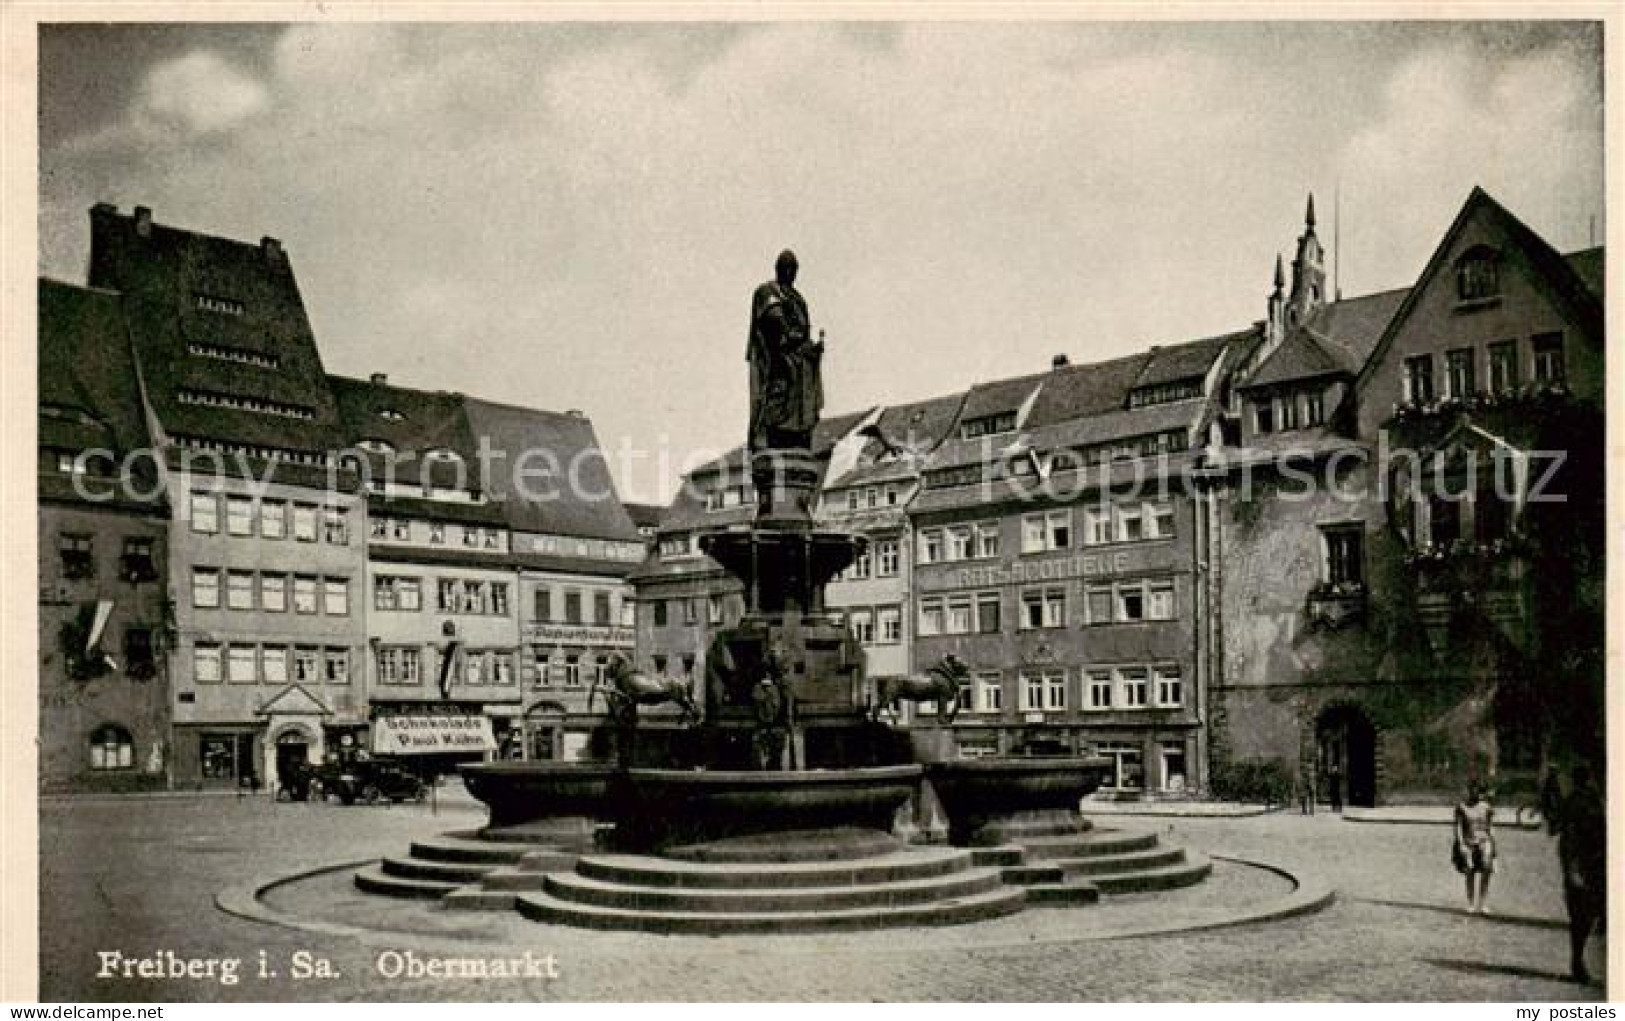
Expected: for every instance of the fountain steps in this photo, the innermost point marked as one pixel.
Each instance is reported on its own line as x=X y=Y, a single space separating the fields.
x=579 y=889
x=373 y=879
x=994 y=903
x=896 y=866
x=442 y=864
x=1117 y=864
x=1086 y=845
x=1192 y=870
x=458 y=872
x=471 y=847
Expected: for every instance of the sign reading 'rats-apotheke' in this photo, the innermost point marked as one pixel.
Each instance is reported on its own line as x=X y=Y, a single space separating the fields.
x=1083 y=565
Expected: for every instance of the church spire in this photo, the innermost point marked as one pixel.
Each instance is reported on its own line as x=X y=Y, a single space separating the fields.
x=1308 y=272
x=1309 y=216
x=1280 y=274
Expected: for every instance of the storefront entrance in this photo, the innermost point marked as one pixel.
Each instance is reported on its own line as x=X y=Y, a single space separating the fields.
x=1346 y=745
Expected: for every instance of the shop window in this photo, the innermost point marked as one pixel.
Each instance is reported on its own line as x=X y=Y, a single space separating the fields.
x=78 y=553
x=1173 y=767
x=1128 y=765
x=111 y=747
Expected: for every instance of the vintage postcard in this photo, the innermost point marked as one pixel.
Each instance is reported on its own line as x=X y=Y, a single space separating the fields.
x=733 y=504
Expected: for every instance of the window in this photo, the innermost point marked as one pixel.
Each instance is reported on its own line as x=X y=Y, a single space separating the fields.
x=660 y=664
x=862 y=624
x=239 y=515
x=1160 y=600
x=1097 y=526
x=931 y=546
x=691 y=611
x=448 y=596
x=304 y=594
x=1098 y=604
x=891 y=624
x=499 y=601
x=1131 y=523
x=78 y=556
x=989 y=692
x=987 y=613
x=242 y=664
x=930 y=616
x=572 y=671
x=988 y=425
x=987 y=539
x=335 y=526
x=1549 y=367
x=1099 y=684
x=1159 y=521
x=411 y=661
x=380 y=528
x=851 y=499
x=1128 y=765
x=600 y=608
x=959 y=615
x=1130 y=603
x=388 y=668
x=891 y=496
x=660 y=613
x=1345 y=555
x=1458 y=373
x=886 y=558
x=274 y=664
x=1419 y=379
x=273 y=519
x=1173 y=766
x=304 y=665
x=572 y=606
x=335 y=597
x=400 y=528
x=1043 y=532
x=336 y=666
x=304 y=522
x=965 y=696
x=475 y=596
x=1504 y=366
x=205 y=587
x=1314 y=408
x=1287 y=406
x=1264 y=416
x=1133 y=686
x=473 y=667
x=1170 y=687
x=713 y=607
x=860 y=568
x=205 y=513
x=240 y=590
x=1444 y=517
x=111 y=748
x=543 y=599
x=138 y=653
x=206 y=663
x=1032 y=692
x=471 y=536
x=501 y=668
x=386 y=592
x=137 y=563
x=1043 y=608
x=1478 y=276
x=437 y=533
x=959 y=543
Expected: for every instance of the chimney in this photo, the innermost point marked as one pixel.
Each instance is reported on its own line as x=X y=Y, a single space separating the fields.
x=1060 y=361
x=143 y=221
x=272 y=249
x=104 y=209
x=380 y=378
x=575 y=413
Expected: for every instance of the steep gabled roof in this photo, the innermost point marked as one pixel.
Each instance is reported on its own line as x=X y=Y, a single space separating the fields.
x=1079 y=391
x=1189 y=360
x=165 y=276
x=577 y=498
x=1552 y=273
x=1591 y=266
x=86 y=370
x=414 y=422
x=999 y=396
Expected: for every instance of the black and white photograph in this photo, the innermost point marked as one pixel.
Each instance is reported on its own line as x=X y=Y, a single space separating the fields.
x=763 y=504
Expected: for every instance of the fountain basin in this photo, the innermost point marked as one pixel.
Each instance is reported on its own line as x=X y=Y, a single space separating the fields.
x=981 y=796
x=566 y=799
x=657 y=809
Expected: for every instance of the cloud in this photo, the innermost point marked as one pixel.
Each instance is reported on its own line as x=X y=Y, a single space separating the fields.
x=201 y=92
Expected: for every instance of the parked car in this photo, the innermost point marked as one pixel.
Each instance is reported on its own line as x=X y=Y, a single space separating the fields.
x=371 y=780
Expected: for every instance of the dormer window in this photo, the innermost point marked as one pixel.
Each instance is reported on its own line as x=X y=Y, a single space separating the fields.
x=443 y=456
x=1478 y=276
x=376 y=446
x=391 y=415
x=988 y=425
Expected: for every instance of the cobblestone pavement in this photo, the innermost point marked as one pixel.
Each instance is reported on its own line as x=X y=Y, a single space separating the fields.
x=140 y=877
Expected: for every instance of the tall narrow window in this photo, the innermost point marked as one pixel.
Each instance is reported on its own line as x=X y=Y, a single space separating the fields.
x=1345 y=554
x=1504 y=366
x=1549 y=366
x=239 y=515
x=205 y=513
x=1419 y=379
x=1459 y=374
x=205 y=587
x=273 y=519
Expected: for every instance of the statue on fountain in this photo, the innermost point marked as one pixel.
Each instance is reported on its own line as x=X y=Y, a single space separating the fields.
x=786 y=384
x=625 y=689
x=774 y=706
x=939 y=685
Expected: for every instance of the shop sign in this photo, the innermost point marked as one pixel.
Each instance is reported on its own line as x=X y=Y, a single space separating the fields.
x=431 y=735
x=1082 y=565
x=579 y=634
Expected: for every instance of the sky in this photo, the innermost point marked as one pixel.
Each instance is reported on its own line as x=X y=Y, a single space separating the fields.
x=574 y=216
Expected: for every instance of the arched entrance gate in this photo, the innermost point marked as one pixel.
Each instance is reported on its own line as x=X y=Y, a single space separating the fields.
x=1346 y=747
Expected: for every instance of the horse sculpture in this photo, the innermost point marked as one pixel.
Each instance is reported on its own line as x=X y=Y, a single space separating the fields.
x=625 y=689
x=940 y=685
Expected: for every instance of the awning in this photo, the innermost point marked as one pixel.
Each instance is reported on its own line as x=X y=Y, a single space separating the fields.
x=431 y=735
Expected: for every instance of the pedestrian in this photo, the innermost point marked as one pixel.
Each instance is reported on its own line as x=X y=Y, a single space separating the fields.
x=1334 y=785
x=1579 y=820
x=1473 y=850
x=1307 y=787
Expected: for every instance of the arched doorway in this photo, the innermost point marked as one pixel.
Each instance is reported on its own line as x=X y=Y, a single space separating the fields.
x=293 y=744
x=1346 y=744
x=543 y=732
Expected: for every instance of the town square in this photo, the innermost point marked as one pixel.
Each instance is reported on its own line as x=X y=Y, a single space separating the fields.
x=577 y=511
